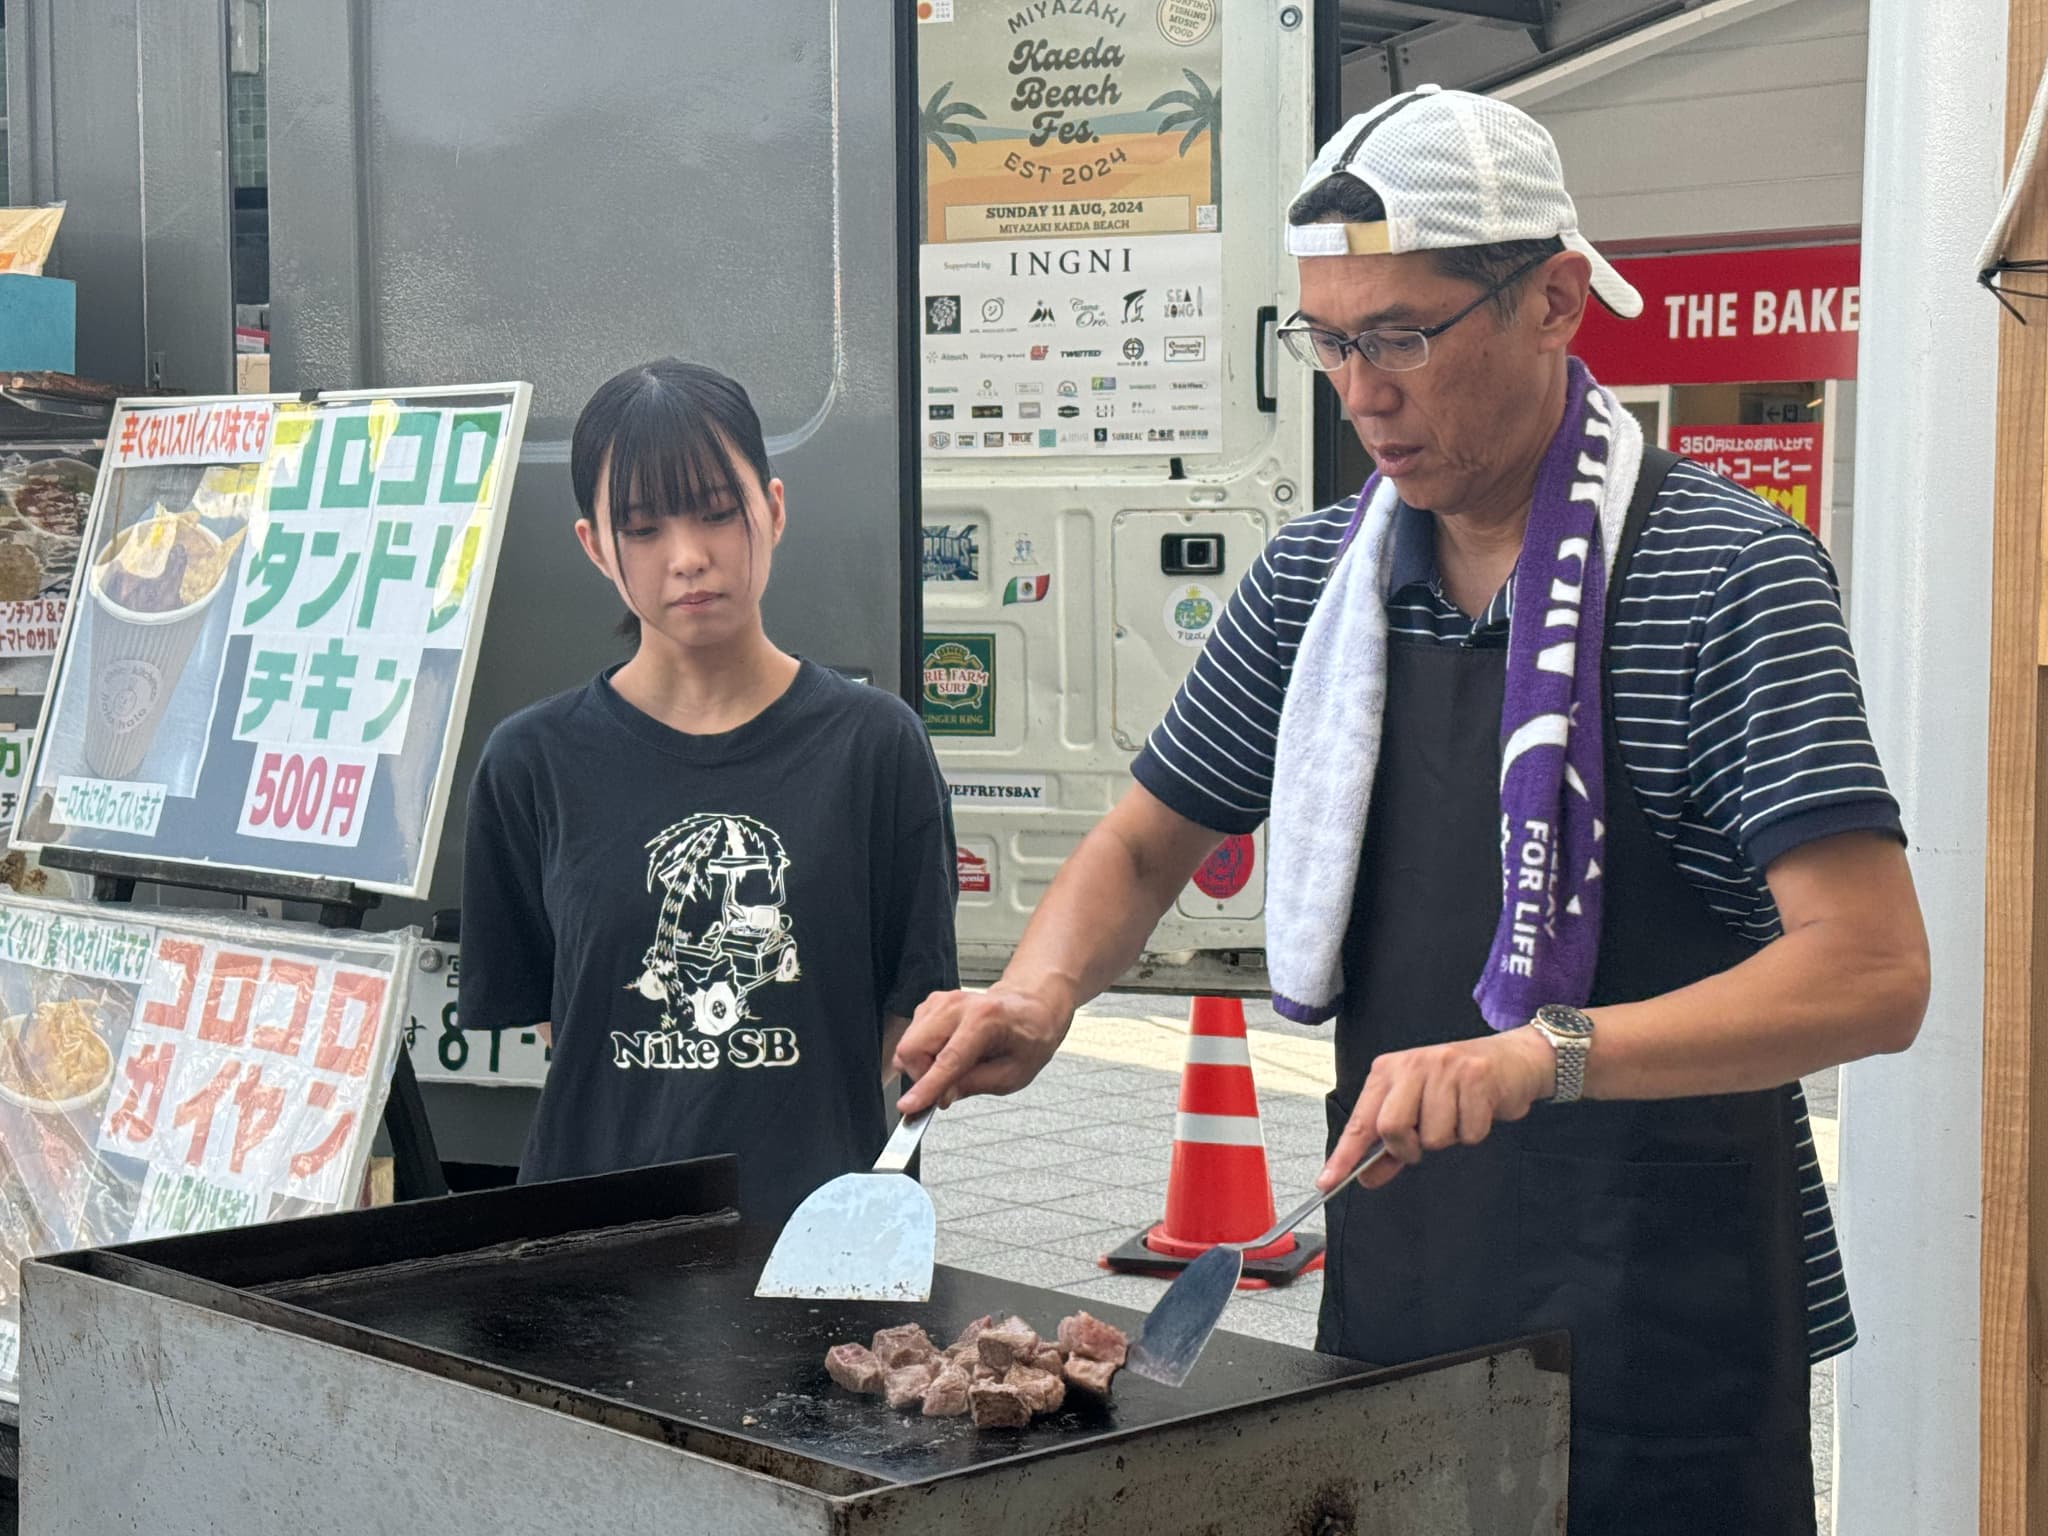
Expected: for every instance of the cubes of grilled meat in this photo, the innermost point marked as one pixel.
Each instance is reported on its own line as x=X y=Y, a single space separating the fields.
x=905 y=1386
x=1090 y=1376
x=1004 y=1346
x=908 y=1345
x=854 y=1367
x=1042 y=1391
x=946 y=1397
x=998 y=1405
x=1093 y=1339
x=1002 y=1373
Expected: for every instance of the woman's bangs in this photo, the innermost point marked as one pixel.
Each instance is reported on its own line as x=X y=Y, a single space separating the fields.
x=665 y=462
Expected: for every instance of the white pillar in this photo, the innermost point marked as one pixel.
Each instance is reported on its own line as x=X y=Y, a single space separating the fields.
x=1906 y=1403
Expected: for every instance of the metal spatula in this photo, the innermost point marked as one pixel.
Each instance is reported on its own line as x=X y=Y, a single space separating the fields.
x=863 y=1236
x=1180 y=1322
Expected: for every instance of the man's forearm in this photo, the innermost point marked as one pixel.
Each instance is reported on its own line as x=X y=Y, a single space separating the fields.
x=1093 y=922
x=1089 y=927
x=1810 y=1000
x=1848 y=979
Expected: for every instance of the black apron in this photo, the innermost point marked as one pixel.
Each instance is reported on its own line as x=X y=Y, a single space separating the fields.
x=1666 y=1236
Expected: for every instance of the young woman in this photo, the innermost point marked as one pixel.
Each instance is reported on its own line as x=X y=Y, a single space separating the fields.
x=722 y=873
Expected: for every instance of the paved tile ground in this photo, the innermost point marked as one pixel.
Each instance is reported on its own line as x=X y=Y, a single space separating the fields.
x=1036 y=1187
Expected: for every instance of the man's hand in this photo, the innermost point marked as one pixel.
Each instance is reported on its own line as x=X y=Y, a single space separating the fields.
x=962 y=1043
x=1442 y=1096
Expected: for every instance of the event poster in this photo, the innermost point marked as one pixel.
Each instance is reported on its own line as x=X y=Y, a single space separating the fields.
x=267 y=660
x=1073 y=258
x=181 y=1073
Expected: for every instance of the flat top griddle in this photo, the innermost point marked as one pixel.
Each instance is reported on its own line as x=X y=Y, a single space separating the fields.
x=664 y=1319
x=627 y=1300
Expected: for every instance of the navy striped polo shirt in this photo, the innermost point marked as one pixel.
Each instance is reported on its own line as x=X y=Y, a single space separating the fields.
x=1736 y=706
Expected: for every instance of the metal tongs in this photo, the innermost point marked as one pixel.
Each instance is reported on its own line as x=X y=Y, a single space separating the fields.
x=1179 y=1324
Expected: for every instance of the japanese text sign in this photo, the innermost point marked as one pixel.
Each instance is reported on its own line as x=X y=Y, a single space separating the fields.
x=1781 y=463
x=182 y=1073
x=272 y=659
x=1732 y=317
x=14 y=749
x=246 y=1069
x=211 y=432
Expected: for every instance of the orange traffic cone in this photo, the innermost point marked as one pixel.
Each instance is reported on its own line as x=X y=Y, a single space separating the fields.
x=1217 y=1190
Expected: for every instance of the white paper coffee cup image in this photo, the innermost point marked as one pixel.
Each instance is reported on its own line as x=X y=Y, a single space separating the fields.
x=152 y=592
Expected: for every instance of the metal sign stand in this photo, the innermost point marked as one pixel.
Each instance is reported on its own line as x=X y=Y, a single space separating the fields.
x=416 y=1164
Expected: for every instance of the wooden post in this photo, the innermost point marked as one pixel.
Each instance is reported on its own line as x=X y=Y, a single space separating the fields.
x=2013 y=1493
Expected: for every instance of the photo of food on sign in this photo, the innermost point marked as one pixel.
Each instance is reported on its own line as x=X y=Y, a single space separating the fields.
x=163 y=563
x=45 y=495
x=42 y=515
x=54 y=1056
x=59 y=1039
x=180 y=1074
x=279 y=605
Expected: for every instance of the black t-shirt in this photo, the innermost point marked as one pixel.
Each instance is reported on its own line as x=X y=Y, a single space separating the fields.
x=716 y=926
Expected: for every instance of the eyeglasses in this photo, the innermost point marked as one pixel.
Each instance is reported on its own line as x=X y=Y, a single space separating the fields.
x=1392 y=349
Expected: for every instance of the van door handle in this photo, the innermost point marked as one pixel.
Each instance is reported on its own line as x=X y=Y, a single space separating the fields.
x=1268 y=357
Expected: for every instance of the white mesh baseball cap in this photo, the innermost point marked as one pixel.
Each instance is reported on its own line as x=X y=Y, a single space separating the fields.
x=1453 y=169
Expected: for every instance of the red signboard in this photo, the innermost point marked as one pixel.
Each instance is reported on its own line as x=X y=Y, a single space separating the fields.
x=1779 y=462
x=1740 y=317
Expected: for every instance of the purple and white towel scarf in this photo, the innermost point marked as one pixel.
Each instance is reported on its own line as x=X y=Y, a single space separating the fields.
x=1552 y=790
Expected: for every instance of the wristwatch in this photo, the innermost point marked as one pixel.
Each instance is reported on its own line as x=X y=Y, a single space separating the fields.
x=1570 y=1033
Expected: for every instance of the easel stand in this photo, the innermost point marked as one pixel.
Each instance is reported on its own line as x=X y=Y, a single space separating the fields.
x=416 y=1164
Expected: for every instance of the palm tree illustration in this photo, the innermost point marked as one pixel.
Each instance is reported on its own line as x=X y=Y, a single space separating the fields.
x=938 y=125
x=1200 y=111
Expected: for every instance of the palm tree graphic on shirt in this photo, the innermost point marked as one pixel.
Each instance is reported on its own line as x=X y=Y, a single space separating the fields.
x=723 y=932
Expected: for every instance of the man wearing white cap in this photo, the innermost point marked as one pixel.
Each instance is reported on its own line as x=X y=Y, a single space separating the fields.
x=1575 y=829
